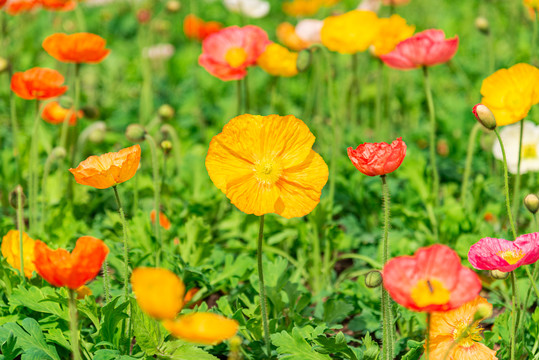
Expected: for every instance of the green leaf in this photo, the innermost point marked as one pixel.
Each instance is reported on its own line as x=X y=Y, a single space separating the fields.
x=111 y=355
x=30 y=338
x=9 y=348
x=372 y=348
x=294 y=347
x=112 y=315
x=36 y=299
x=335 y=345
x=179 y=350
x=416 y=349
x=336 y=310
x=147 y=331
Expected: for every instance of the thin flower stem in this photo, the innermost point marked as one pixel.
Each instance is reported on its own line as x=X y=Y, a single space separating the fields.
x=15 y=134
x=534 y=38
x=263 y=299
x=126 y=249
x=171 y=132
x=386 y=300
x=247 y=94
x=156 y=192
x=514 y=314
x=432 y=145
x=506 y=178
x=532 y=280
x=455 y=342
x=238 y=97
x=468 y=167
x=73 y=325
x=74 y=133
x=516 y=189
x=379 y=93
x=354 y=89
x=427 y=341
x=65 y=124
x=20 y=226
x=106 y=281
x=34 y=149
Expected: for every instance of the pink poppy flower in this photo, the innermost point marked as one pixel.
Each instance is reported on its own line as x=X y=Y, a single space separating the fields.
x=427 y=48
x=226 y=54
x=504 y=255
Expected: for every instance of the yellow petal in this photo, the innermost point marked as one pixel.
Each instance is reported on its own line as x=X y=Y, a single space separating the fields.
x=202 y=328
x=11 y=251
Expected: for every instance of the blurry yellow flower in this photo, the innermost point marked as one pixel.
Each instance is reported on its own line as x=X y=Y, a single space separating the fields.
x=11 y=251
x=82 y=292
x=277 y=60
x=510 y=93
x=202 y=328
x=286 y=33
x=392 y=31
x=330 y=2
x=302 y=7
x=265 y=164
x=533 y=4
x=351 y=32
x=159 y=292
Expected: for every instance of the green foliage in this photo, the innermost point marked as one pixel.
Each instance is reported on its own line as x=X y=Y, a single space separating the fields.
x=29 y=339
x=294 y=347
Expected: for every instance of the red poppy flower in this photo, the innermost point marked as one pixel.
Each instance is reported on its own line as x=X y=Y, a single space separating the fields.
x=426 y=48
x=76 y=48
x=163 y=220
x=374 y=159
x=59 y=5
x=2 y=2
x=55 y=114
x=431 y=280
x=38 y=83
x=60 y=268
x=197 y=29
x=15 y=7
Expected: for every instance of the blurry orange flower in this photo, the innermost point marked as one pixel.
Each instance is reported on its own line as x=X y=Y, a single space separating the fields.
x=2 y=2
x=277 y=60
x=302 y=7
x=109 y=169
x=59 y=5
x=11 y=251
x=76 y=48
x=60 y=268
x=82 y=292
x=198 y=29
x=286 y=33
x=202 y=328
x=15 y=7
x=38 y=83
x=510 y=93
x=54 y=113
x=392 y=31
x=190 y=294
x=159 y=292
x=395 y=2
x=447 y=327
x=351 y=32
x=163 y=220
x=265 y=164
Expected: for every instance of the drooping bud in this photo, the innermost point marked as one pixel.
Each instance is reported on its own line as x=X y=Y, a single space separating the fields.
x=482 y=312
x=13 y=197
x=166 y=145
x=531 y=201
x=373 y=279
x=166 y=112
x=499 y=275
x=135 y=133
x=484 y=116
x=173 y=6
x=4 y=64
x=58 y=152
x=481 y=24
x=304 y=60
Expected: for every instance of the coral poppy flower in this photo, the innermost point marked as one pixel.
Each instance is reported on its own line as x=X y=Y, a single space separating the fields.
x=163 y=219
x=392 y=31
x=350 y=32
x=374 y=159
x=510 y=93
x=59 y=5
x=286 y=33
x=265 y=164
x=227 y=54
x=60 y=268
x=159 y=292
x=38 y=83
x=427 y=48
x=15 y=7
x=109 y=169
x=76 y=48
x=55 y=114
x=2 y=2
x=431 y=280
x=197 y=29
x=202 y=328
x=447 y=327
x=278 y=61
x=302 y=7
x=504 y=255
x=11 y=251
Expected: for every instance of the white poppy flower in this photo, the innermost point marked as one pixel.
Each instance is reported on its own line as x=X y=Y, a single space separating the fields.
x=309 y=30
x=510 y=135
x=251 y=8
x=370 y=5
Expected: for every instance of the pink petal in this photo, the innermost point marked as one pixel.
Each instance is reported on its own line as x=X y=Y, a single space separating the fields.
x=483 y=255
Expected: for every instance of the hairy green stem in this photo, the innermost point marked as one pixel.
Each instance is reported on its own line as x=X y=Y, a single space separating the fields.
x=468 y=166
x=126 y=249
x=506 y=181
x=432 y=145
x=386 y=300
x=379 y=93
x=33 y=165
x=427 y=341
x=263 y=299
x=74 y=134
x=514 y=314
x=15 y=135
x=354 y=88
x=238 y=97
x=20 y=226
x=516 y=189
x=171 y=132
x=534 y=38
x=74 y=325
x=156 y=192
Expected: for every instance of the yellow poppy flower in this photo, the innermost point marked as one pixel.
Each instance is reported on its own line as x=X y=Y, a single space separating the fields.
x=350 y=32
x=265 y=164
x=82 y=292
x=277 y=60
x=11 y=251
x=202 y=328
x=159 y=292
x=510 y=93
x=302 y=7
x=392 y=31
x=533 y=4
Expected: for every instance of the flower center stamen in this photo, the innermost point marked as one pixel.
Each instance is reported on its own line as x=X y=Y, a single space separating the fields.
x=529 y=151
x=511 y=256
x=268 y=171
x=235 y=56
x=430 y=292
x=468 y=334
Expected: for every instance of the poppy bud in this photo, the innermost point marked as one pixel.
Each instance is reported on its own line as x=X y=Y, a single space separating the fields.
x=58 y=152
x=531 y=201
x=173 y=6
x=135 y=133
x=13 y=197
x=161 y=26
x=481 y=24
x=484 y=116
x=166 y=145
x=304 y=60
x=144 y=16
x=442 y=147
x=373 y=279
x=90 y=112
x=166 y=112
x=482 y=312
x=4 y=64
x=66 y=102
x=499 y=275
x=97 y=134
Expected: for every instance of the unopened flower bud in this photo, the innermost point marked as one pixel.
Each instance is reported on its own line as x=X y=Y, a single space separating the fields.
x=166 y=112
x=499 y=275
x=97 y=132
x=58 y=152
x=90 y=112
x=484 y=116
x=442 y=147
x=482 y=312
x=481 y=24
x=373 y=279
x=173 y=6
x=4 y=64
x=166 y=145
x=66 y=102
x=135 y=133
x=304 y=60
x=13 y=197
x=531 y=201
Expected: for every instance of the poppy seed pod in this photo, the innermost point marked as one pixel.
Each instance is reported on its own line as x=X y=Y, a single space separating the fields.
x=13 y=197
x=173 y=6
x=484 y=116
x=135 y=133
x=482 y=312
x=166 y=145
x=481 y=24
x=373 y=279
x=98 y=132
x=499 y=275
x=166 y=112
x=531 y=201
x=304 y=60
x=58 y=152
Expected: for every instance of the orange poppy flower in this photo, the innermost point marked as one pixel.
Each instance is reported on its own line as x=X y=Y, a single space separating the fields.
x=265 y=164
x=2 y=2
x=190 y=294
x=59 y=5
x=54 y=113
x=82 y=292
x=76 y=48
x=286 y=33
x=163 y=219
x=15 y=7
x=202 y=328
x=198 y=29
x=110 y=169
x=38 y=83
x=60 y=268
x=11 y=251
x=302 y=7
